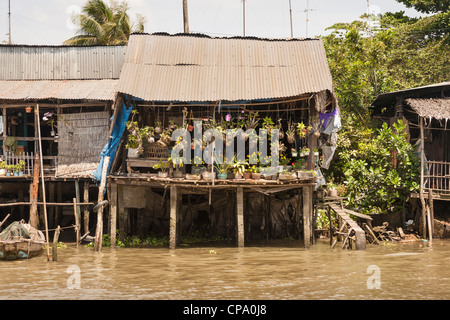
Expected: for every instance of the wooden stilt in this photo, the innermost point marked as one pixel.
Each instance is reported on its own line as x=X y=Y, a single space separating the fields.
x=34 y=193
x=431 y=213
x=77 y=221
x=113 y=213
x=173 y=216
x=101 y=189
x=121 y=212
x=55 y=243
x=86 y=210
x=307 y=213
x=240 y=216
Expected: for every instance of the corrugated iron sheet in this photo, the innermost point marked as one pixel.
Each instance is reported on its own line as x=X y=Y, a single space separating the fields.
x=190 y=68
x=60 y=62
x=63 y=89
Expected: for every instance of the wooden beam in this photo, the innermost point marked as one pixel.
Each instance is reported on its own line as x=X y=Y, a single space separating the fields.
x=113 y=212
x=173 y=216
x=307 y=216
x=360 y=235
x=240 y=217
x=101 y=189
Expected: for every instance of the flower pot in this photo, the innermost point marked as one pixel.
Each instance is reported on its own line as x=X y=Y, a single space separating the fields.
x=247 y=175
x=133 y=153
x=16 y=173
x=207 y=175
x=190 y=127
x=256 y=176
x=8 y=174
x=192 y=176
x=238 y=175
x=332 y=192
x=287 y=176
x=294 y=154
x=178 y=174
x=163 y=174
x=20 y=173
x=222 y=175
x=305 y=174
x=28 y=109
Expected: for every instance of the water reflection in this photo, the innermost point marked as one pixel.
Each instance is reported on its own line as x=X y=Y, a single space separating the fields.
x=278 y=271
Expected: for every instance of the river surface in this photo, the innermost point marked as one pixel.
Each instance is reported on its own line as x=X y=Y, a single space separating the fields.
x=273 y=272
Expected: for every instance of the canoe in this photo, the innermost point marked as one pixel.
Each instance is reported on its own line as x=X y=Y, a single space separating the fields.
x=20 y=241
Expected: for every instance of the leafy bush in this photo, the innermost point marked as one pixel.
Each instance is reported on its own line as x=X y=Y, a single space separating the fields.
x=378 y=171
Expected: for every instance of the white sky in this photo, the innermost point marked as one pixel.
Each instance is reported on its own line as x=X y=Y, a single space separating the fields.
x=40 y=22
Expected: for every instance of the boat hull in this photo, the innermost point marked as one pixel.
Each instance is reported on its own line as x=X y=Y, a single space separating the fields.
x=20 y=249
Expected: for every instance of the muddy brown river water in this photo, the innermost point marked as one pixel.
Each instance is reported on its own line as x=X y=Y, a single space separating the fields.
x=276 y=271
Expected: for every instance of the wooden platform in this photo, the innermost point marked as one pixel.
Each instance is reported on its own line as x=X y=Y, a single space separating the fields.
x=180 y=186
x=351 y=226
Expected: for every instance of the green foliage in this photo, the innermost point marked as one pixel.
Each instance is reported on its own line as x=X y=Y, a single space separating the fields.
x=427 y=6
x=374 y=183
x=103 y=24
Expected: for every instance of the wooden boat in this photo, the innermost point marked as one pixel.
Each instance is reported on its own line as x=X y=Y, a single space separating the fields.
x=20 y=241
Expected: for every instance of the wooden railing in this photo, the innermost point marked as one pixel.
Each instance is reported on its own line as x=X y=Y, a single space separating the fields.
x=437 y=176
x=27 y=157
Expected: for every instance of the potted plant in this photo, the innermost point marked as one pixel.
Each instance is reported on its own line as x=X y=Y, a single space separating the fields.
x=306 y=174
x=208 y=174
x=299 y=164
x=332 y=192
x=290 y=133
x=9 y=169
x=163 y=167
x=239 y=168
x=302 y=129
x=287 y=175
x=2 y=168
x=256 y=173
x=304 y=152
x=18 y=168
x=294 y=152
x=252 y=121
x=158 y=127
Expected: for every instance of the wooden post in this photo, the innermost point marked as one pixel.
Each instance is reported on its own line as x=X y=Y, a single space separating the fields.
x=173 y=216
x=431 y=205
x=101 y=189
x=422 y=180
x=185 y=17
x=34 y=193
x=240 y=216
x=43 y=180
x=55 y=243
x=77 y=221
x=113 y=212
x=121 y=212
x=86 y=209
x=307 y=215
x=78 y=210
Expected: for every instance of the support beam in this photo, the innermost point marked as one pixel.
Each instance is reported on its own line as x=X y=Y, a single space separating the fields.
x=101 y=189
x=113 y=212
x=240 y=216
x=173 y=217
x=307 y=215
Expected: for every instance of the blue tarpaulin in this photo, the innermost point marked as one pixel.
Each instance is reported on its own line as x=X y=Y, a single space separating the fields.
x=111 y=147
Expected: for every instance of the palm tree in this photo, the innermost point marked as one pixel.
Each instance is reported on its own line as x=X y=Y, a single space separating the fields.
x=101 y=24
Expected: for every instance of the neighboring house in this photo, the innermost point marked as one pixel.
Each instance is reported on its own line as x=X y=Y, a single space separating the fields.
x=74 y=90
x=426 y=111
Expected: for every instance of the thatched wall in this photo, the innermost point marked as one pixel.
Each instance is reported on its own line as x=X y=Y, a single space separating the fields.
x=82 y=137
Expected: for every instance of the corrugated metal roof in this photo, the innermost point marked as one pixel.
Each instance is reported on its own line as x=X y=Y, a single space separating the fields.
x=60 y=62
x=59 y=89
x=190 y=68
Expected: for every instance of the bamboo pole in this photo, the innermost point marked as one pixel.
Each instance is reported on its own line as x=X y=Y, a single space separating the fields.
x=101 y=189
x=77 y=221
x=55 y=243
x=43 y=182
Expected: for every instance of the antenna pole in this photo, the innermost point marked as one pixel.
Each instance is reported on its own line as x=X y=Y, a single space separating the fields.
x=243 y=15
x=9 y=18
x=185 y=16
x=307 y=17
x=290 y=14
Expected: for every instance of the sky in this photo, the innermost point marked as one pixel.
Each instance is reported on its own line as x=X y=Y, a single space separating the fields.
x=47 y=22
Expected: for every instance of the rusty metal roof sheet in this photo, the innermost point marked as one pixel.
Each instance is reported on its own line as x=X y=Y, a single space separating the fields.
x=200 y=68
x=22 y=62
x=59 y=89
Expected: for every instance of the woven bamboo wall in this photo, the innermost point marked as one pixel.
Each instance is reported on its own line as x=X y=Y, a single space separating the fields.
x=82 y=137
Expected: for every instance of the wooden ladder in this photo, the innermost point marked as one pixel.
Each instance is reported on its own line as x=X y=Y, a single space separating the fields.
x=349 y=229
